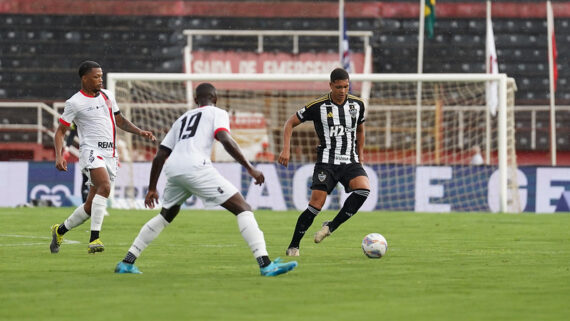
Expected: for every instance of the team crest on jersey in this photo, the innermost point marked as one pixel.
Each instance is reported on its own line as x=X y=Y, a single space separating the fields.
x=322 y=176
x=352 y=110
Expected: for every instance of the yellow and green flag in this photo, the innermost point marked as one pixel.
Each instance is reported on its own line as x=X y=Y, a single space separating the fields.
x=430 y=17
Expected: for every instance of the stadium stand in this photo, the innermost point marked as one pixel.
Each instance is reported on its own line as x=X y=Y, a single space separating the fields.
x=39 y=52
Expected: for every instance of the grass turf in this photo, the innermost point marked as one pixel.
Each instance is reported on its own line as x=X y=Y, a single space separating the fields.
x=438 y=267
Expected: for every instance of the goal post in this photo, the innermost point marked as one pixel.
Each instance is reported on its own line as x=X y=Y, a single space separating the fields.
x=420 y=162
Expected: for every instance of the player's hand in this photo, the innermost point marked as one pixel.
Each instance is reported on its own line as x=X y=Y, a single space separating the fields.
x=61 y=164
x=148 y=135
x=284 y=158
x=257 y=175
x=150 y=199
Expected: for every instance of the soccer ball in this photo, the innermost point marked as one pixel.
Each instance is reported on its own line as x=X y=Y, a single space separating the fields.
x=374 y=245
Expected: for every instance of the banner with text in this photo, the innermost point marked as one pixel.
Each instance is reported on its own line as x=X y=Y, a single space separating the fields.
x=271 y=63
x=416 y=188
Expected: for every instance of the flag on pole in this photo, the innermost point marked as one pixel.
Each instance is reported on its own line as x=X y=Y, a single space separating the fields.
x=492 y=89
x=345 y=59
x=429 y=17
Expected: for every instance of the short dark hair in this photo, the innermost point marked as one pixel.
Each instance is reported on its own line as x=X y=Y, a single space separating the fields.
x=86 y=66
x=339 y=74
x=205 y=90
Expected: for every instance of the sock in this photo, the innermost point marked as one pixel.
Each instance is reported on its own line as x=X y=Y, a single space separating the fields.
x=251 y=233
x=148 y=233
x=98 y=209
x=130 y=258
x=263 y=261
x=304 y=221
x=94 y=236
x=78 y=217
x=350 y=207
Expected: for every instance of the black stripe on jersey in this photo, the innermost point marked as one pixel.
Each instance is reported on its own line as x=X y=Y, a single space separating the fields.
x=330 y=124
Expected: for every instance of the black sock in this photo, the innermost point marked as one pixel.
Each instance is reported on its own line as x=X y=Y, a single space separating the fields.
x=94 y=236
x=130 y=258
x=303 y=223
x=62 y=229
x=263 y=261
x=350 y=207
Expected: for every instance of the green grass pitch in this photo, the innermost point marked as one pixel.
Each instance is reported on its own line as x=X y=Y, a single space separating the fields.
x=468 y=266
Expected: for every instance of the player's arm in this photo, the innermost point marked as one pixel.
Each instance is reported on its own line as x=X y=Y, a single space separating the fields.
x=233 y=149
x=157 y=164
x=127 y=126
x=360 y=141
x=60 y=162
x=291 y=123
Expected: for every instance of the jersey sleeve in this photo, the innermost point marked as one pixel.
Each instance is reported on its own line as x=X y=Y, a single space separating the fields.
x=306 y=113
x=221 y=121
x=171 y=137
x=68 y=115
x=361 y=117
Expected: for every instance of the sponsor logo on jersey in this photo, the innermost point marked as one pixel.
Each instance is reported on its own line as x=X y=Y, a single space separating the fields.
x=337 y=130
x=220 y=190
x=322 y=176
x=330 y=114
x=91 y=157
x=105 y=144
x=342 y=158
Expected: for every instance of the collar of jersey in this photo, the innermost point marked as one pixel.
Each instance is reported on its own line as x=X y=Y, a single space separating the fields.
x=332 y=101
x=86 y=95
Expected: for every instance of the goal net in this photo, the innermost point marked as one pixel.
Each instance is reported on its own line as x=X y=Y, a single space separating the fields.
x=431 y=144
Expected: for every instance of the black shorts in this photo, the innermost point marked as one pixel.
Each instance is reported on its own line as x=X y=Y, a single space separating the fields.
x=326 y=176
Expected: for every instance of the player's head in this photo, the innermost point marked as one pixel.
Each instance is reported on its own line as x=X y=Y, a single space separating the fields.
x=205 y=94
x=339 y=85
x=91 y=76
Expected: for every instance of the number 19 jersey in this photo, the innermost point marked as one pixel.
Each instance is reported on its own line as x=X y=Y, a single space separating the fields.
x=191 y=138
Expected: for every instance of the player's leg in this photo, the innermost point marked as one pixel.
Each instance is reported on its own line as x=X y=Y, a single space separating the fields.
x=81 y=214
x=78 y=217
x=174 y=196
x=358 y=183
x=253 y=236
x=322 y=184
x=98 y=200
x=305 y=220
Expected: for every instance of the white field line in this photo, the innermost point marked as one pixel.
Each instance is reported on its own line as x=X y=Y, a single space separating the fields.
x=31 y=237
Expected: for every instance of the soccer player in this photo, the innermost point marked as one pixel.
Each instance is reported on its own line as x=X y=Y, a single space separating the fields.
x=97 y=115
x=338 y=118
x=189 y=171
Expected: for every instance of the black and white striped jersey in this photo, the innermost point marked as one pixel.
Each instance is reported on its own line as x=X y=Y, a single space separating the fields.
x=336 y=128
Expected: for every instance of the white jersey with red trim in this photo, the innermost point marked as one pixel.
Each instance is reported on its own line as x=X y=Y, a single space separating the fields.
x=191 y=138
x=95 y=120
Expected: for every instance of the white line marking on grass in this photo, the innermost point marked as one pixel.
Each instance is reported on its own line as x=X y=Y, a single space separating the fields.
x=32 y=237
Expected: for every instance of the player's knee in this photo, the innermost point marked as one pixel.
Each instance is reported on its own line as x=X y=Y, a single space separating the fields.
x=104 y=189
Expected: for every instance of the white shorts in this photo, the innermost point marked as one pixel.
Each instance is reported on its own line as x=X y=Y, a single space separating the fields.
x=91 y=158
x=206 y=183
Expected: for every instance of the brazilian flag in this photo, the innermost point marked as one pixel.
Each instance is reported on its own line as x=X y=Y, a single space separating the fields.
x=430 y=17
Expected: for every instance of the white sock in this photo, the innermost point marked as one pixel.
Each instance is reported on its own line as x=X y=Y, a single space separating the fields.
x=148 y=233
x=98 y=209
x=78 y=217
x=251 y=233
